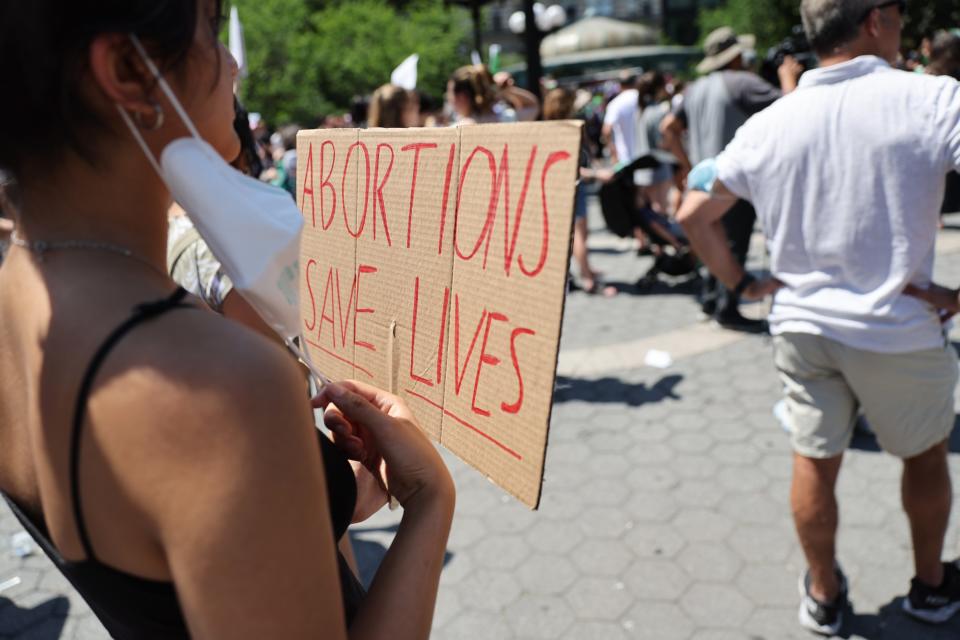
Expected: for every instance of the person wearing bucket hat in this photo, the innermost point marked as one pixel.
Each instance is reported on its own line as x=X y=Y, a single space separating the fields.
x=712 y=110
x=847 y=174
x=722 y=47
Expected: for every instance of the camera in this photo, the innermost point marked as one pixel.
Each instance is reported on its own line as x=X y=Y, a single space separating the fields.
x=795 y=45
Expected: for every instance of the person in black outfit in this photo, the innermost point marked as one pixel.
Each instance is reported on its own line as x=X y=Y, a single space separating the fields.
x=163 y=457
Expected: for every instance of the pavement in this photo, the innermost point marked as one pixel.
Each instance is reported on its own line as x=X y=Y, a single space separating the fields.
x=664 y=512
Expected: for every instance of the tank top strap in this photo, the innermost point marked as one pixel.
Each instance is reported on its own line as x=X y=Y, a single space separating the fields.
x=142 y=313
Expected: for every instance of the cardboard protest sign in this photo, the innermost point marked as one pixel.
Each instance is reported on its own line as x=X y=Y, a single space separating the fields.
x=434 y=266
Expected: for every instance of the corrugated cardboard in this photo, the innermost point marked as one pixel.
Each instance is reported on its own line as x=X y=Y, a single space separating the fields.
x=441 y=277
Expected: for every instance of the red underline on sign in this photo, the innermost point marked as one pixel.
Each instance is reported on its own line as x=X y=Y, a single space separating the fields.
x=466 y=424
x=338 y=357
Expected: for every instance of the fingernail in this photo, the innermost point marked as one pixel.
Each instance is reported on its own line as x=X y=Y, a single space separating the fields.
x=334 y=391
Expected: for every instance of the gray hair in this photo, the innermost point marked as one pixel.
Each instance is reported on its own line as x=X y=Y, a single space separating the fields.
x=833 y=23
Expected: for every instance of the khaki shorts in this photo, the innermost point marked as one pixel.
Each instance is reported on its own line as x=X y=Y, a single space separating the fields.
x=907 y=398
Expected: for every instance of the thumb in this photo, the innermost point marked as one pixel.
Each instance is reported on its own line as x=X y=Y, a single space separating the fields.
x=356 y=408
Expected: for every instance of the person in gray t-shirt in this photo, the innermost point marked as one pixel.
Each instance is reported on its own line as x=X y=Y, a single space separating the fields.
x=712 y=110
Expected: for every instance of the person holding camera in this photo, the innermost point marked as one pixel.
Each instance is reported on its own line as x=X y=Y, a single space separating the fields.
x=712 y=110
x=847 y=174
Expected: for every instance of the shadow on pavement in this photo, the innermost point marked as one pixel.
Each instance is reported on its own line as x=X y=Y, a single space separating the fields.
x=690 y=287
x=864 y=440
x=891 y=623
x=369 y=552
x=43 y=622
x=614 y=390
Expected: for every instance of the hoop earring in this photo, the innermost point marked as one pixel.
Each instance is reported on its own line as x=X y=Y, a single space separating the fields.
x=157 y=120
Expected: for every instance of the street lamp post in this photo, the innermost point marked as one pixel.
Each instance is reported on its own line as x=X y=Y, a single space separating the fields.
x=532 y=38
x=535 y=22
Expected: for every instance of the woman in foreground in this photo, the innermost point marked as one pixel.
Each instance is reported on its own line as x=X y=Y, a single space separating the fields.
x=163 y=456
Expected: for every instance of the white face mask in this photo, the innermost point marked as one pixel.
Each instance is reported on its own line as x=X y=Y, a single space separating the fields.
x=251 y=227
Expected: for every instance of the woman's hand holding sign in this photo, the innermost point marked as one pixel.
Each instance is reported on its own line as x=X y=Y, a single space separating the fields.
x=378 y=430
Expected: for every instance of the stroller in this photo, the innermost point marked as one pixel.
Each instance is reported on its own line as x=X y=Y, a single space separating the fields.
x=618 y=202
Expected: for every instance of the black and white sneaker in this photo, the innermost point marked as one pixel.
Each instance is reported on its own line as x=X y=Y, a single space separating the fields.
x=935 y=605
x=820 y=617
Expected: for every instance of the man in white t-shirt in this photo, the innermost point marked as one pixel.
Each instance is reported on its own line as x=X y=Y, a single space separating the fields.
x=847 y=174
x=620 y=121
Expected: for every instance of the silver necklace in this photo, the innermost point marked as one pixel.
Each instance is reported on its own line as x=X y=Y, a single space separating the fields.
x=40 y=248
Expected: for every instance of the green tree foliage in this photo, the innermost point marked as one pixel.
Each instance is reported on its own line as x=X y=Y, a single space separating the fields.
x=309 y=58
x=772 y=20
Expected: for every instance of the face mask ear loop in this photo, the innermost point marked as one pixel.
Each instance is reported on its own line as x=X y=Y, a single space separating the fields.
x=304 y=356
x=165 y=87
x=139 y=139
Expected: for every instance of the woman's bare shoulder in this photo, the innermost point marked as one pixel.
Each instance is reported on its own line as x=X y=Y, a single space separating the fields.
x=196 y=379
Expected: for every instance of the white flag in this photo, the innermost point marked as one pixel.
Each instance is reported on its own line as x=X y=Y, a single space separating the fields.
x=237 y=48
x=405 y=75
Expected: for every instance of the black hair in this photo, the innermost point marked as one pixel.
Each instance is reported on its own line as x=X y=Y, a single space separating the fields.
x=649 y=86
x=44 y=49
x=248 y=160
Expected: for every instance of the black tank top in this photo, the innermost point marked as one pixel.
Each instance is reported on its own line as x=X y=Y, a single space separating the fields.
x=133 y=607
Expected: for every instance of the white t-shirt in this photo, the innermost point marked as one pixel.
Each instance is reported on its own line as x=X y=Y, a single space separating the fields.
x=847 y=175
x=621 y=116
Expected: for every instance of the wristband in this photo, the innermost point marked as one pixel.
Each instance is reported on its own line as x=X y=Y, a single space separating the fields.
x=745 y=282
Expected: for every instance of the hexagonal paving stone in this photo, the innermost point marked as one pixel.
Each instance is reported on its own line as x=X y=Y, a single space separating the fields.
x=475 y=501
x=657 y=621
x=652 y=540
x=652 y=478
x=768 y=585
x=488 y=590
x=458 y=566
x=475 y=625
x=721 y=634
x=604 y=522
x=608 y=464
x=651 y=507
x=687 y=421
x=604 y=491
x=717 y=605
x=551 y=537
x=742 y=479
x=709 y=561
x=448 y=607
x=691 y=442
x=650 y=453
x=777 y=622
x=502 y=551
x=656 y=580
x=509 y=517
x=871 y=546
x=736 y=453
x=759 y=543
x=730 y=431
x=754 y=508
x=539 y=616
x=466 y=531
x=599 y=598
x=560 y=505
x=703 y=525
x=647 y=432
x=608 y=441
x=780 y=467
x=595 y=630
x=695 y=467
x=546 y=574
x=601 y=557
x=698 y=493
